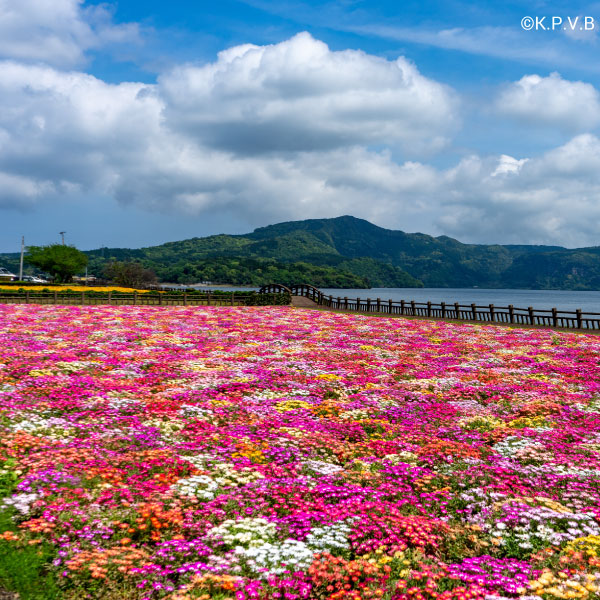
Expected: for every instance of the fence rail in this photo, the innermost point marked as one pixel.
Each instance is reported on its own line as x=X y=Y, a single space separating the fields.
x=141 y=299
x=488 y=313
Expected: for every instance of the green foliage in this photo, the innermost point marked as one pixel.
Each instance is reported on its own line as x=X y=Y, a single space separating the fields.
x=572 y=269
x=350 y=252
x=23 y=568
x=62 y=262
x=129 y=274
x=236 y=270
x=268 y=299
x=379 y=274
x=8 y=478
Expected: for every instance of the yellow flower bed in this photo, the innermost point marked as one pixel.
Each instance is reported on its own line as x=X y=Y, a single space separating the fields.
x=287 y=405
x=531 y=422
x=589 y=545
x=561 y=585
x=75 y=288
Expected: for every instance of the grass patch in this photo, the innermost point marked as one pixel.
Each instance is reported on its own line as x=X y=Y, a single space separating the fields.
x=25 y=569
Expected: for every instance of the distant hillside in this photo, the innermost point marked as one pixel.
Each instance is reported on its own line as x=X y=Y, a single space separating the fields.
x=350 y=252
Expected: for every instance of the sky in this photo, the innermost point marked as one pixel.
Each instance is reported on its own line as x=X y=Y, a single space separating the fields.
x=134 y=123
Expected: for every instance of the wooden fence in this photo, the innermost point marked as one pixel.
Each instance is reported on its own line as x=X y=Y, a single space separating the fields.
x=142 y=299
x=487 y=313
x=470 y=312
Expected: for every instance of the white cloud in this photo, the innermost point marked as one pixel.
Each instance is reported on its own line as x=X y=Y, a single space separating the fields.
x=56 y=32
x=66 y=131
x=508 y=164
x=550 y=199
x=569 y=105
x=69 y=131
x=68 y=134
x=299 y=95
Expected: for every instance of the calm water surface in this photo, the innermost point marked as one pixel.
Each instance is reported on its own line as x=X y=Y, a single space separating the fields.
x=542 y=299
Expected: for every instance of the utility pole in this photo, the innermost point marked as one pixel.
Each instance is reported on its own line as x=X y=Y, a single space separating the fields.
x=62 y=234
x=21 y=262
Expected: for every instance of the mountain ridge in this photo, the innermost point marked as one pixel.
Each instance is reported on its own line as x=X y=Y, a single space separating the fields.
x=347 y=251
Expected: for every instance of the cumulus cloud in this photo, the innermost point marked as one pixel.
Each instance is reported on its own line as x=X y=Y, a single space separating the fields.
x=73 y=133
x=508 y=164
x=206 y=136
x=176 y=146
x=69 y=132
x=569 y=105
x=549 y=199
x=299 y=95
x=57 y=32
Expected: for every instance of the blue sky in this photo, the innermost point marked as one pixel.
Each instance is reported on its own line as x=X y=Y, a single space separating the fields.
x=134 y=123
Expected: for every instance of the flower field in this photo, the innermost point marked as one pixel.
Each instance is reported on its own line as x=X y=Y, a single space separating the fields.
x=270 y=452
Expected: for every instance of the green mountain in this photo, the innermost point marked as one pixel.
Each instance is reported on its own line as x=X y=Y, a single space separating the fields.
x=350 y=252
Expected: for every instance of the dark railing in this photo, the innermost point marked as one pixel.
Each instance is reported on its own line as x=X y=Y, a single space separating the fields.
x=276 y=288
x=487 y=313
x=142 y=299
x=308 y=291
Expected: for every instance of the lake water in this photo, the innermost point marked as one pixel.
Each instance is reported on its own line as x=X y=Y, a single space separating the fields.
x=541 y=299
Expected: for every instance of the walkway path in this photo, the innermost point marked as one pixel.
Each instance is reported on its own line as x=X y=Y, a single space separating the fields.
x=302 y=302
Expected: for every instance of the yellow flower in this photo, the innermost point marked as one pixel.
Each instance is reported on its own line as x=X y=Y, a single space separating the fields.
x=76 y=288
x=287 y=405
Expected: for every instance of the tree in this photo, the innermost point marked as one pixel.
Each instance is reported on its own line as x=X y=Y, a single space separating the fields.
x=130 y=274
x=62 y=262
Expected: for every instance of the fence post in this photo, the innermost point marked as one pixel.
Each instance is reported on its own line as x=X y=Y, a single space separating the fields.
x=110 y=297
x=531 y=315
x=159 y=299
x=27 y=297
x=429 y=308
x=368 y=304
x=474 y=311
x=390 y=306
x=443 y=310
x=401 y=307
x=492 y=313
x=413 y=308
x=554 y=317
x=511 y=313
x=135 y=297
x=185 y=298
x=346 y=302
x=378 y=304
x=55 y=297
x=208 y=299
x=358 y=305
x=82 y=298
x=339 y=303
x=232 y=298
x=457 y=309
x=579 y=319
